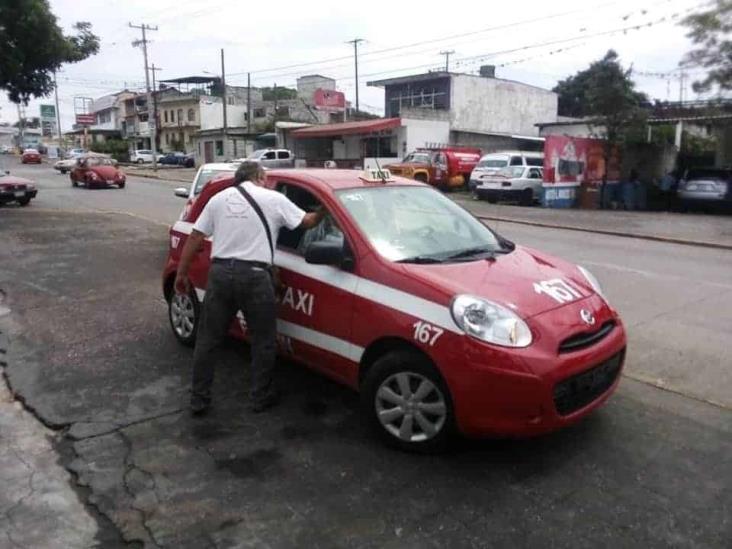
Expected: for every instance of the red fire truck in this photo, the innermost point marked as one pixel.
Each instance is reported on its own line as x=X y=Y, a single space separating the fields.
x=446 y=168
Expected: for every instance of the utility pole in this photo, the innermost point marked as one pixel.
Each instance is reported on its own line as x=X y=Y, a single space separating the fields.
x=58 y=114
x=249 y=111
x=274 y=118
x=21 y=126
x=681 y=86
x=143 y=43
x=156 y=131
x=223 y=100
x=356 y=42
x=447 y=55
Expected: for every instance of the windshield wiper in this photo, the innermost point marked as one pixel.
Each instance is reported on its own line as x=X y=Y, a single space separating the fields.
x=470 y=252
x=420 y=259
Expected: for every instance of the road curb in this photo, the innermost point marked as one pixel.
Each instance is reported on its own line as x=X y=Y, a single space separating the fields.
x=669 y=240
x=157 y=177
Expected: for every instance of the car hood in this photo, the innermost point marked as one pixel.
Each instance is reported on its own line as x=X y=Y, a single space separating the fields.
x=514 y=280
x=14 y=181
x=105 y=172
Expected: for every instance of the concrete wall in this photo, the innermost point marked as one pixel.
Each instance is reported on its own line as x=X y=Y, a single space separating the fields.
x=306 y=85
x=419 y=133
x=573 y=130
x=480 y=104
x=349 y=147
x=212 y=115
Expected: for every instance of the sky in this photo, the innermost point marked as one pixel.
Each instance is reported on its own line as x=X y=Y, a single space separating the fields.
x=531 y=41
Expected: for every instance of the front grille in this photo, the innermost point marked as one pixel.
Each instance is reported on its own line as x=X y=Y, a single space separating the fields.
x=586 y=339
x=578 y=391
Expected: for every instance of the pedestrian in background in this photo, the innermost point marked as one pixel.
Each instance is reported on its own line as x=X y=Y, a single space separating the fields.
x=668 y=186
x=243 y=222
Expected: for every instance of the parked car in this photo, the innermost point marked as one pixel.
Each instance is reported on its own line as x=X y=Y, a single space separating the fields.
x=75 y=153
x=492 y=163
x=273 y=158
x=446 y=168
x=204 y=175
x=6 y=149
x=189 y=161
x=97 y=171
x=16 y=189
x=142 y=156
x=442 y=324
x=31 y=156
x=515 y=183
x=705 y=186
x=173 y=158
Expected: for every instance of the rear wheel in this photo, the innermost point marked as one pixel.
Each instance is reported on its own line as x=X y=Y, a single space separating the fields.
x=408 y=403
x=420 y=177
x=183 y=313
x=140 y=161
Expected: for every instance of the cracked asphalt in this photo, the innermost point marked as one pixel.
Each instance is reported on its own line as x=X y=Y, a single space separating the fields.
x=110 y=456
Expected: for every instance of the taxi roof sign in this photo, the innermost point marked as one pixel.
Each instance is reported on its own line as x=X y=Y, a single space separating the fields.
x=373 y=175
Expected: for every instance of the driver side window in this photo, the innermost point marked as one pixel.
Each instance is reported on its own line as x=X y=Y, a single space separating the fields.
x=298 y=239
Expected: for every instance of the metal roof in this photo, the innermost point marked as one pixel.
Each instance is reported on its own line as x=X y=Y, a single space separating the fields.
x=348 y=128
x=192 y=80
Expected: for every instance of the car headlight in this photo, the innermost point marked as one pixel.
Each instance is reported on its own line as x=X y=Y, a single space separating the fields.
x=591 y=280
x=490 y=322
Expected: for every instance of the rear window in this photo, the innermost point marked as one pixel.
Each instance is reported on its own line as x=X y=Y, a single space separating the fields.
x=534 y=161
x=493 y=163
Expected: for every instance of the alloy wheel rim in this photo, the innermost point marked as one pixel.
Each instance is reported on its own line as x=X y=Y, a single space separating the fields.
x=410 y=407
x=182 y=315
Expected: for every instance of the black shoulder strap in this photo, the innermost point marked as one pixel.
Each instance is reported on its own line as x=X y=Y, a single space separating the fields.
x=259 y=212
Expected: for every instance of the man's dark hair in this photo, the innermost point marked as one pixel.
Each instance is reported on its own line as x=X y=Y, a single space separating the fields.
x=247 y=171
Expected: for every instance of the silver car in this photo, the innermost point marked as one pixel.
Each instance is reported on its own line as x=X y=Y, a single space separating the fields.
x=706 y=186
x=273 y=158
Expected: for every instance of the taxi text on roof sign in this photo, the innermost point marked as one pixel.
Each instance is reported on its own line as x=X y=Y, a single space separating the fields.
x=376 y=176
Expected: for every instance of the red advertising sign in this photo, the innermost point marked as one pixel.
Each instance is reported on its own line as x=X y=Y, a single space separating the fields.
x=329 y=99
x=575 y=160
x=85 y=119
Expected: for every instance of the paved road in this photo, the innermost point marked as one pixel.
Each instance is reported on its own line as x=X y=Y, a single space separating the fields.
x=90 y=352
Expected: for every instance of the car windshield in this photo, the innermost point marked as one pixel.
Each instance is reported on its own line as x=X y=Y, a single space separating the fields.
x=207 y=174
x=99 y=162
x=492 y=163
x=31 y=151
x=405 y=223
x=420 y=158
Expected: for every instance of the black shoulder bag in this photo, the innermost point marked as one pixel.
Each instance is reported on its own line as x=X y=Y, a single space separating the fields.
x=274 y=272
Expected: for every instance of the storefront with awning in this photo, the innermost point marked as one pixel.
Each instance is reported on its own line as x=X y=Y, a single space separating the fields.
x=348 y=143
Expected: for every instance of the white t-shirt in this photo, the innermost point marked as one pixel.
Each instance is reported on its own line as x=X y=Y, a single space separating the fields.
x=235 y=228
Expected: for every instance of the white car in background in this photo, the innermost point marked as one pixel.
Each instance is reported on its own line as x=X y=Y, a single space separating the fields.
x=491 y=164
x=75 y=153
x=205 y=173
x=516 y=183
x=69 y=163
x=143 y=156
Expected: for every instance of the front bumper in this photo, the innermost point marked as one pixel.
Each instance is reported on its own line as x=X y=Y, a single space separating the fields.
x=536 y=390
x=12 y=196
x=702 y=196
x=498 y=194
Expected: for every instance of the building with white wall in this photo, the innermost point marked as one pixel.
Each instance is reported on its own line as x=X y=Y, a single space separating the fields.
x=482 y=111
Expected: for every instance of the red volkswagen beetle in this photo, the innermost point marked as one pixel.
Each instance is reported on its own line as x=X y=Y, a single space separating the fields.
x=97 y=171
x=443 y=325
x=30 y=156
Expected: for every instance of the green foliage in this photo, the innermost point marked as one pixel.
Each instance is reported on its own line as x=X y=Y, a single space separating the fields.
x=268 y=94
x=711 y=32
x=177 y=145
x=116 y=148
x=34 y=46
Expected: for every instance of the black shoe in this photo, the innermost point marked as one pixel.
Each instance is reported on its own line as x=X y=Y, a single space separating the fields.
x=200 y=405
x=259 y=406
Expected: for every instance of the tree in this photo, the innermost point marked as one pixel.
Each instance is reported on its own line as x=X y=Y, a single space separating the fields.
x=34 y=46
x=605 y=93
x=268 y=94
x=711 y=31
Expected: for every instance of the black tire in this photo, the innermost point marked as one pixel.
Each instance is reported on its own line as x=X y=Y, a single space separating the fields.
x=63 y=171
x=121 y=185
x=422 y=178
x=183 y=336
x=74 y=182
x=24 y=201
x=140 y=161
x=492 y=199
x=527 y=197
x=387 y=373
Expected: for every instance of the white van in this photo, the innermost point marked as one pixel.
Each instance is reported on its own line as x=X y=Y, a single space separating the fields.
x=491 y=163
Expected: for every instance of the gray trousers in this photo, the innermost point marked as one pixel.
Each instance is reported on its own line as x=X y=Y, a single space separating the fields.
x=234 y=286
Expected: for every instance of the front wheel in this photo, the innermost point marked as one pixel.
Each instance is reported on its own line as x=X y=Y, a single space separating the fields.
x=121 y=185
x=63 y=172
x=140 y=161
x=408 y=403
x=183 y=313
x=24 y=201
x=74 y=183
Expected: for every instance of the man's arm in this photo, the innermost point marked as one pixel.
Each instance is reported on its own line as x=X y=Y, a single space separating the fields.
x=313 y=218
x=190 y=248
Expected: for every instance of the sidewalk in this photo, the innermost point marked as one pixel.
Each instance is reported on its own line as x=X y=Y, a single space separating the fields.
x=182 y=175
x=714 y=231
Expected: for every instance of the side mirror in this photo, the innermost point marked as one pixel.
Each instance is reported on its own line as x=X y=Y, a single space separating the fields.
x=181 y=192
x=325 y=252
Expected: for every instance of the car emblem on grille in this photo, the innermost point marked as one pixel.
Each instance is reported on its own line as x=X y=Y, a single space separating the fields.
x=587 y=317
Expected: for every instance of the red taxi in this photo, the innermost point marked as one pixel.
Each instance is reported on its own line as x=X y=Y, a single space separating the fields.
x=30 y=156
x=443 y=325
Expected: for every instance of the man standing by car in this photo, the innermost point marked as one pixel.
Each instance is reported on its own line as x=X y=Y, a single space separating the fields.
x=243 y=222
